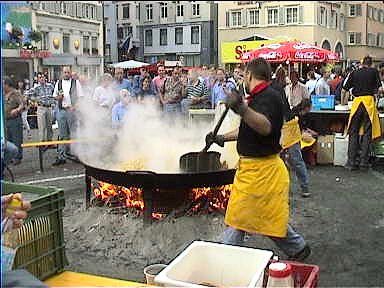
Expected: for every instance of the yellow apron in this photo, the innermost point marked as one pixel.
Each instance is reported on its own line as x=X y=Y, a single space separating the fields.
x=290 y=133
x=259 y=197
x=307 y=142
x=370 y=105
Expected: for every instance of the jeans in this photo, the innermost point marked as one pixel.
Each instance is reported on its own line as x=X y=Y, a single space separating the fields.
x=297 y=164
x=67 y=125
x=15 y=134
x=44 y=123
x=292 y=244
x=361 y=117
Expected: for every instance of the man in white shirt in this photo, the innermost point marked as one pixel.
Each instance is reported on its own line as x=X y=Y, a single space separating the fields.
x=296 y=91
x=322 y=87
x=67 y=91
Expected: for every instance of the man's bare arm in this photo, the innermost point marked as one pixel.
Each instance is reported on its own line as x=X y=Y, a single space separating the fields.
x=257 y=122
x=232 y=135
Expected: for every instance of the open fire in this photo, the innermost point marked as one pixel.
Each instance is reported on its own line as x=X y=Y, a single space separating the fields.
x=197 y=200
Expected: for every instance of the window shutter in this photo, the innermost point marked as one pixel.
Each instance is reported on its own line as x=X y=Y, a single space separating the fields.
x=342 y=22
x=281 y=16
x=301 y=14
x=358 y=9
x=358 y=38
x=99 y=12
x=57 y=7
x=73 y=9
x=318 y=15
x=244 y=17
x=227 y=18
x=78 y=13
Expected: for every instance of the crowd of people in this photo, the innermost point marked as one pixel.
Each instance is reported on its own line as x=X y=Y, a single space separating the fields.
x=176 y=90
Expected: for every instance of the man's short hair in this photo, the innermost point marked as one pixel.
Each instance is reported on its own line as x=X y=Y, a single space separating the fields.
x=160 y=65
x=323 y=71
x=367 y=60
x=220 y=69
x=260 y=69
x=67 y=66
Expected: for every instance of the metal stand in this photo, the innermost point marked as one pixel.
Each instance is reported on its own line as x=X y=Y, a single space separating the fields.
x=41 y=152
x=88 y=188
x=148 y=204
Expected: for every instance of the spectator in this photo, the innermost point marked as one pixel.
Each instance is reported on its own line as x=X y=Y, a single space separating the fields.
x=9 y=152
x=218 y=93
x=158 y=81
x=196 y=93
x=336 y=80
x=172 y=93
x=145 y=92
x=23 y=89
x=311 y=83
x=13 y=104
x=42 y=94
x=138 y=80
x=103 y=94
x=120 y=109
x=120 y=82
x=296 y=91
x=67 y=91
x=279 y=83
x=322 y=86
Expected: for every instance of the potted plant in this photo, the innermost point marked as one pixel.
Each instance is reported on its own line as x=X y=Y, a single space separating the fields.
x=35 y=36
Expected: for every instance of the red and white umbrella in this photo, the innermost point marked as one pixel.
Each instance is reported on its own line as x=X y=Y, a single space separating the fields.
x=293 y=52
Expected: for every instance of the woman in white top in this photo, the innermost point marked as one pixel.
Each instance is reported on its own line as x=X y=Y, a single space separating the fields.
x=104 y=94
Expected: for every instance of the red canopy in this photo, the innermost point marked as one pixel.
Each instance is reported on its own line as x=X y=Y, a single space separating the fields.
x=291 y=51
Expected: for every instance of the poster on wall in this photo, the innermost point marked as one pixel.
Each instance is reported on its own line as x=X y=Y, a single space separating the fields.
x=16 y=24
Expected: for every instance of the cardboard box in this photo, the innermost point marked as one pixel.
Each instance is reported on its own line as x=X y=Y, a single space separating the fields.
x=325 y=149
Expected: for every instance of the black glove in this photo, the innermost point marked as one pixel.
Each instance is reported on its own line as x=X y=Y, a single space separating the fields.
x=218 y=139
x=235 y=101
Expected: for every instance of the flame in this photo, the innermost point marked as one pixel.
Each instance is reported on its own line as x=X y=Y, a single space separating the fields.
x=211 y=198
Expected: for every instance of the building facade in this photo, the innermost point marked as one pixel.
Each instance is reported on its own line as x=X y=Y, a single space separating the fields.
x=178 y=30
x=327 y=24
x=72 y=33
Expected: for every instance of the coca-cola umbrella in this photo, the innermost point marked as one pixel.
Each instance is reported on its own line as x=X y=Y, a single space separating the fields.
x=292 y=51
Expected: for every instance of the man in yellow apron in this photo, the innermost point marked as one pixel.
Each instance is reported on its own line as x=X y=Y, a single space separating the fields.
x=259 y=197
x=364 y=117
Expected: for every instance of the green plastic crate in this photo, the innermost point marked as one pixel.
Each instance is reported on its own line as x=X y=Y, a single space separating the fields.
x=378 y=148
x=42 y=247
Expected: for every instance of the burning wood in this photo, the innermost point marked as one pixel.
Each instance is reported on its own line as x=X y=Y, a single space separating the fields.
x=124 y=200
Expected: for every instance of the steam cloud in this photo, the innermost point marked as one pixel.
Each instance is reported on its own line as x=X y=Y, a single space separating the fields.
x=146 y=136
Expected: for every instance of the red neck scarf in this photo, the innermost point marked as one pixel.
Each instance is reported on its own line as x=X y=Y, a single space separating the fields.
x=256 y=90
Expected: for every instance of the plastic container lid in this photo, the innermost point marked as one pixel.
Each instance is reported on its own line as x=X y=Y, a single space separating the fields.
x=280 y=270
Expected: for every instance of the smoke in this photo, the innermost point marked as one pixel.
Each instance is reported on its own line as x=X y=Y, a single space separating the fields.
x=146 y=141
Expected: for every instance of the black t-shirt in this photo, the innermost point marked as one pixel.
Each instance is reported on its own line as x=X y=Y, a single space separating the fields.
x=250 y=143
x=365 y=81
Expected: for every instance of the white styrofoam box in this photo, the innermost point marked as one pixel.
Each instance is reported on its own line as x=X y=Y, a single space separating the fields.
x=217 y=265
x=340 y=152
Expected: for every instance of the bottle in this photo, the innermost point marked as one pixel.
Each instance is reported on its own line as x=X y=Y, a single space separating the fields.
x=280 y=275
x=10 y=236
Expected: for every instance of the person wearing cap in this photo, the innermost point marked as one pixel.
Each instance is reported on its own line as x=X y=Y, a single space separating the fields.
x=259 y=198
x=364 y=117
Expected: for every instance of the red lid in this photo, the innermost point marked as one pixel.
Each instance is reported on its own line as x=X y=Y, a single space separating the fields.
x=280 y=270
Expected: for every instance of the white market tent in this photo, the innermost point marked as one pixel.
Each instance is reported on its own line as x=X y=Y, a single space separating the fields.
x=129 y=64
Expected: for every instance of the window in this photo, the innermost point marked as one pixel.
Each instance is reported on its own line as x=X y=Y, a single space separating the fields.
x=381 y=16
x=149 y=12
x=148 y=37
x=355 y=10
x=63 y=8
x=43 y=6
x=254 y=16
x=117 y=12
x=44 y=41
x=376 y=14
x=354 y=38
x=195 y=35
x=126 y=31
x=370 y=12
x=179 y=36
x=180 y=10
x=86 y=11
x=107 y=50
x=126 y=11
x=163 y=10
x=372 y=39
x=380 y=40
x=95 y=49
x=273 y=16
x=85 y=44
x=65 y=43
x=291 y=15
x=323 y=16
x=195 y=9
x=92 y=12
x=163 y=37
x=236 y=18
